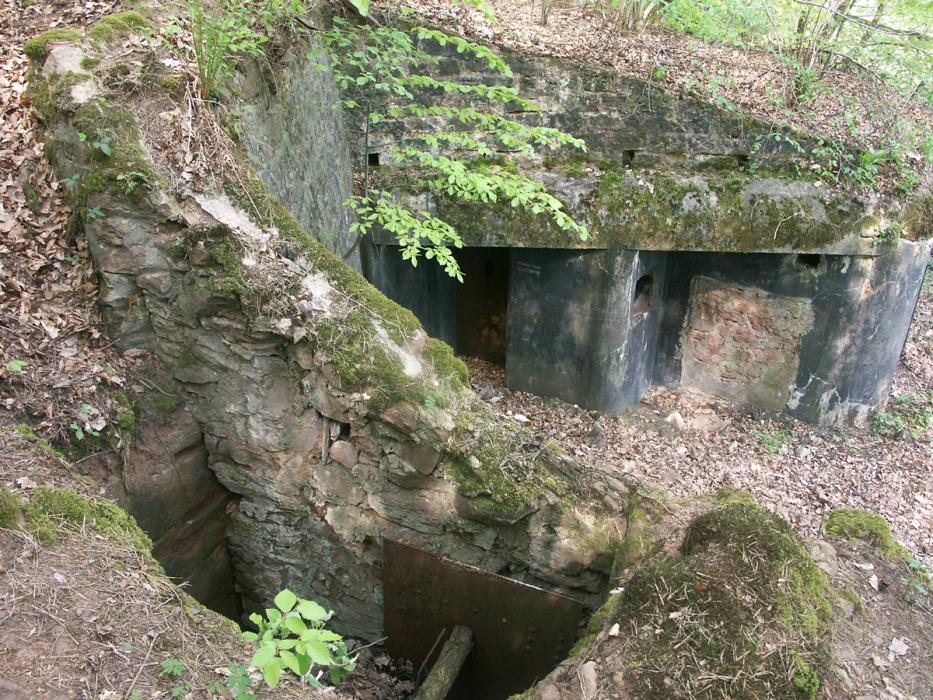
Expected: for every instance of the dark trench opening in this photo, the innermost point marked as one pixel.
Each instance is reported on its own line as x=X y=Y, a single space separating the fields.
x=482 y=303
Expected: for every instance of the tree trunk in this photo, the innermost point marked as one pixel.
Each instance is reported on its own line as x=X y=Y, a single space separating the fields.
x=445 y=671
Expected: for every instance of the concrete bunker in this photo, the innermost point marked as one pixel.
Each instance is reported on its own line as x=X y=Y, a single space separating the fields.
x=814 y=334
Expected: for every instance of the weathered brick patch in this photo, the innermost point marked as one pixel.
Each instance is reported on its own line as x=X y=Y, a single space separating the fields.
x=743 y=343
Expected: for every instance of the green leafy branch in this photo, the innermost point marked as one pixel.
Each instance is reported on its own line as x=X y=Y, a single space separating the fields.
x=292 y=636
x=380 y=70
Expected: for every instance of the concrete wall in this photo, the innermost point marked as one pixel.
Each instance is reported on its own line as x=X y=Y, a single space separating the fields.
x=822 y=336
x=573 y=332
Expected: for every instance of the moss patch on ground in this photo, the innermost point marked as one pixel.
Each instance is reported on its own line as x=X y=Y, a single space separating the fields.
x=118 y=26
x=10 y=508
x=37 y=48
x=50 y=509
x=857 y=524
x=745 y=603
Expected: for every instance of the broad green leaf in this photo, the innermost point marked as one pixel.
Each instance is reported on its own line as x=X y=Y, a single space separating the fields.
x=251 y=636
x=285 y=600
x=263 y=656
x=296 y=625
x=311 y=611
x=291 y=662
x=362 y=6
x=272 y=671
x=319 y=652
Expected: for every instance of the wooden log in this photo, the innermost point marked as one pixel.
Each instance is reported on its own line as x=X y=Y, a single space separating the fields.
x=445 y=670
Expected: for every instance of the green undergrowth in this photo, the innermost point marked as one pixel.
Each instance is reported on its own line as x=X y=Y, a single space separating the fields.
x=118 y=26
x=595 y=625
x=37 y=442
x=10 y=508
x=729 y=495
x=37 y=48
x=745 y=604
x=643 y=512
x=858 y=524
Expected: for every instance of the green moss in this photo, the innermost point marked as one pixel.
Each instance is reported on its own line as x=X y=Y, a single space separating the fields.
x=52 y=97
x=806 y=681
x=667 y=208
x=640 y=543
x=595 y=625
x=163 y=404
x=267 y=211
x=52 y=508
x=804 y=603
x=729 y=495
x=10 y=508
x=350 y=344
x=100 y=118
x=227 y=251
x=501 y=466
x=854 y=523
x=126 y=418
x=37 y=48
x=89 y=63
x=744 y=581
x=445 y=363
x=37 y=442
x=118 y=26
x=854 y=598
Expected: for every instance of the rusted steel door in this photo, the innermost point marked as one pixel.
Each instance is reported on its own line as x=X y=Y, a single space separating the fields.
x=520 y=631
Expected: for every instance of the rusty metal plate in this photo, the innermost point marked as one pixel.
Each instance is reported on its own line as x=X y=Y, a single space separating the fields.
x=520 y=631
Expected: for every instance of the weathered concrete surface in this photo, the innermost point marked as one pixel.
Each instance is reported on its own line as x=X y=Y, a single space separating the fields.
x=573 y=330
